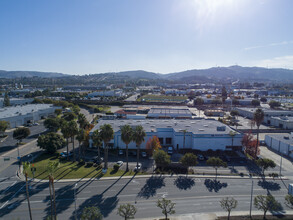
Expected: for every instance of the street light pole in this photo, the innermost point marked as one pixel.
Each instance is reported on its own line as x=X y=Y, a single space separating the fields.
x=281 y=165
x=251 y=195
x=75 y=213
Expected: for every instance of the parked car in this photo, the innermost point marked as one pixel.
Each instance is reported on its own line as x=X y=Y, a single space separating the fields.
x=132 y=153
x=64 y=154
x=36 y=124
x=137 y=167
x=120 y=152
x=143 y=154
x=120 y=163
x=97 y=160
x=200 y=157
x=27 y=158
x=170 y=150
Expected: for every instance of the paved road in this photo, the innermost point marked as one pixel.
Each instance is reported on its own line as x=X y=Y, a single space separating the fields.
x=191 y=195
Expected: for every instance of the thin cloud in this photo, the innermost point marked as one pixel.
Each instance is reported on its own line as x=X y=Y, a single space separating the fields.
x=277 y=62
x=269 y=45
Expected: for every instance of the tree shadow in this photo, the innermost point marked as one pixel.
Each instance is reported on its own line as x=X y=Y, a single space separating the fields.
x=214 y=185
x=233 y=170
x=269 y=185
x=184 y=183
x=151 y=186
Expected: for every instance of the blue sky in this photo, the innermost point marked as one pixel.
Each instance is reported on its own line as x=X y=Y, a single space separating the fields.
x=94 y=36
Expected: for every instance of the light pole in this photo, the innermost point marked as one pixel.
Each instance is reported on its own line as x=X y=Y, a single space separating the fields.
x=251 y=195
x=281 y=165
x=75 y=213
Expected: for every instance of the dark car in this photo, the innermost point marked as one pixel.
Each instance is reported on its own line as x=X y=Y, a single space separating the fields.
x=97 y=160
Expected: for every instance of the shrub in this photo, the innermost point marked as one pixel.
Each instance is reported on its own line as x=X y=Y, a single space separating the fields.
x=116 y=167
x=89 y=164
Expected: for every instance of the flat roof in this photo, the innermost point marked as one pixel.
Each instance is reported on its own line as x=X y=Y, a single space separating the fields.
x=203 y=126
x=265 y=110
x=284 y=118
x=8 y=112
x=280 y=137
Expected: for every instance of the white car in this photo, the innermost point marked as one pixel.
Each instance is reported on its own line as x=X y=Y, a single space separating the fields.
x=120 y=163
x=200 y=157
x=143 y=154
x=120 y=152
x=137 y=167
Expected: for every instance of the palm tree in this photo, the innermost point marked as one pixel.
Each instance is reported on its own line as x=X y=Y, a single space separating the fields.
x=138 y=137
x=126 y=136
x=66 y=134
x=80 y=137
x=26 y=166
x=82 y=120
x=184 y=134
x=73 y=130
x=97 y=141
x=107 y=134
x=258 y=117
x=232 y=134
x=51 y=169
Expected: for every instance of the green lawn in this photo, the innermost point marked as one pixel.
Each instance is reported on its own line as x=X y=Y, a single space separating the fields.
x=72 y=170
x=162 y=98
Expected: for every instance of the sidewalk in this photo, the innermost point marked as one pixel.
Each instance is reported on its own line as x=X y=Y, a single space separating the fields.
x=211 y=216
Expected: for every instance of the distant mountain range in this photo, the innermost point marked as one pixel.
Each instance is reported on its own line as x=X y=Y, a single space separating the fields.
x=19 y=74
x=196 y=75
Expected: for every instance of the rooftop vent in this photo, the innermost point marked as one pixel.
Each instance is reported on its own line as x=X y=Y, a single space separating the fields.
x=206 y=126
x=201 y=129
x=286 y=137
x=221 y=128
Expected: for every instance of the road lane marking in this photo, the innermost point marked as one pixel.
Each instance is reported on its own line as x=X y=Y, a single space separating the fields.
x=8 y=187
x=12 y=196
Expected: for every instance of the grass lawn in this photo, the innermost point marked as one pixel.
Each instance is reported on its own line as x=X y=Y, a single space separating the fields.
x=162 y=98
x=72 y=170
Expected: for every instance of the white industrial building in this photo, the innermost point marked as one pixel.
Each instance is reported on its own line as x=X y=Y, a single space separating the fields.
x=268 y=113
x=22 y=115
x=16 y=101
x=178 y=113
x=199 y=134
x=107 y=93
x=282 y=143
x=284 y=122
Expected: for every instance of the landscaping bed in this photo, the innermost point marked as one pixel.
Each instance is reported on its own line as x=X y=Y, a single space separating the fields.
x=73 y=170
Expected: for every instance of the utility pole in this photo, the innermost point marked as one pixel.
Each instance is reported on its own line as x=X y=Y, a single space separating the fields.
x=251 y=195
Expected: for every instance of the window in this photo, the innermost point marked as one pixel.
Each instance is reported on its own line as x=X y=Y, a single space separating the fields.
x=161 y=141
x=168 y=140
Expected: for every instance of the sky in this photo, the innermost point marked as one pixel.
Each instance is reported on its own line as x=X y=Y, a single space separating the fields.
x=162 y=36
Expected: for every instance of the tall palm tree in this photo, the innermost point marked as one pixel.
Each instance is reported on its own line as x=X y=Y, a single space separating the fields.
x=232 y=134
x=126 y=136
x=80 y=137
x=107 y=134
x=258 y=117
x=82 y=121
x=138 y=137
x=97 y=141
x=26 y=166
x=184 y=134
x=51 y=169
x=66 y=134
x=73 y=130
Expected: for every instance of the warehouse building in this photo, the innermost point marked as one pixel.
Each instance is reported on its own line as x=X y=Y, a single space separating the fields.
x=22 y=115
x=177 y=113
x=285 y=122
x=249 y=113
x=282 y=143
x=180 y=134
x=16 y=101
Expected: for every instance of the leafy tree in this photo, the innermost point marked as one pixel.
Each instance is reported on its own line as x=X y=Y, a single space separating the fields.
x=198 y=102
x=73 y=130
x=58 y=111
x=75 y=109
x=91 y=213
x=216 y=163
x=265 y=163
x=107 y=134
x=234 y=113
x=126 y=136
x=53 y=124
x=51 y=142
x=3 y=126
x=26 y=167
x=51 y=170
x=167 y=206
x=224 y=94
x=188 y=159
x=289 y=201
x=258 y=118
x=69 y=116
x=274 y=104
x=255 y=102
x=263 y=99
x=161 y=158
x=266 y=203
x=80 y=137
x=82 y=121
x=6 y=101
x=228 y=204
x=21 y=133
x=153 y=144
x=127 y=211
x=138 y=137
